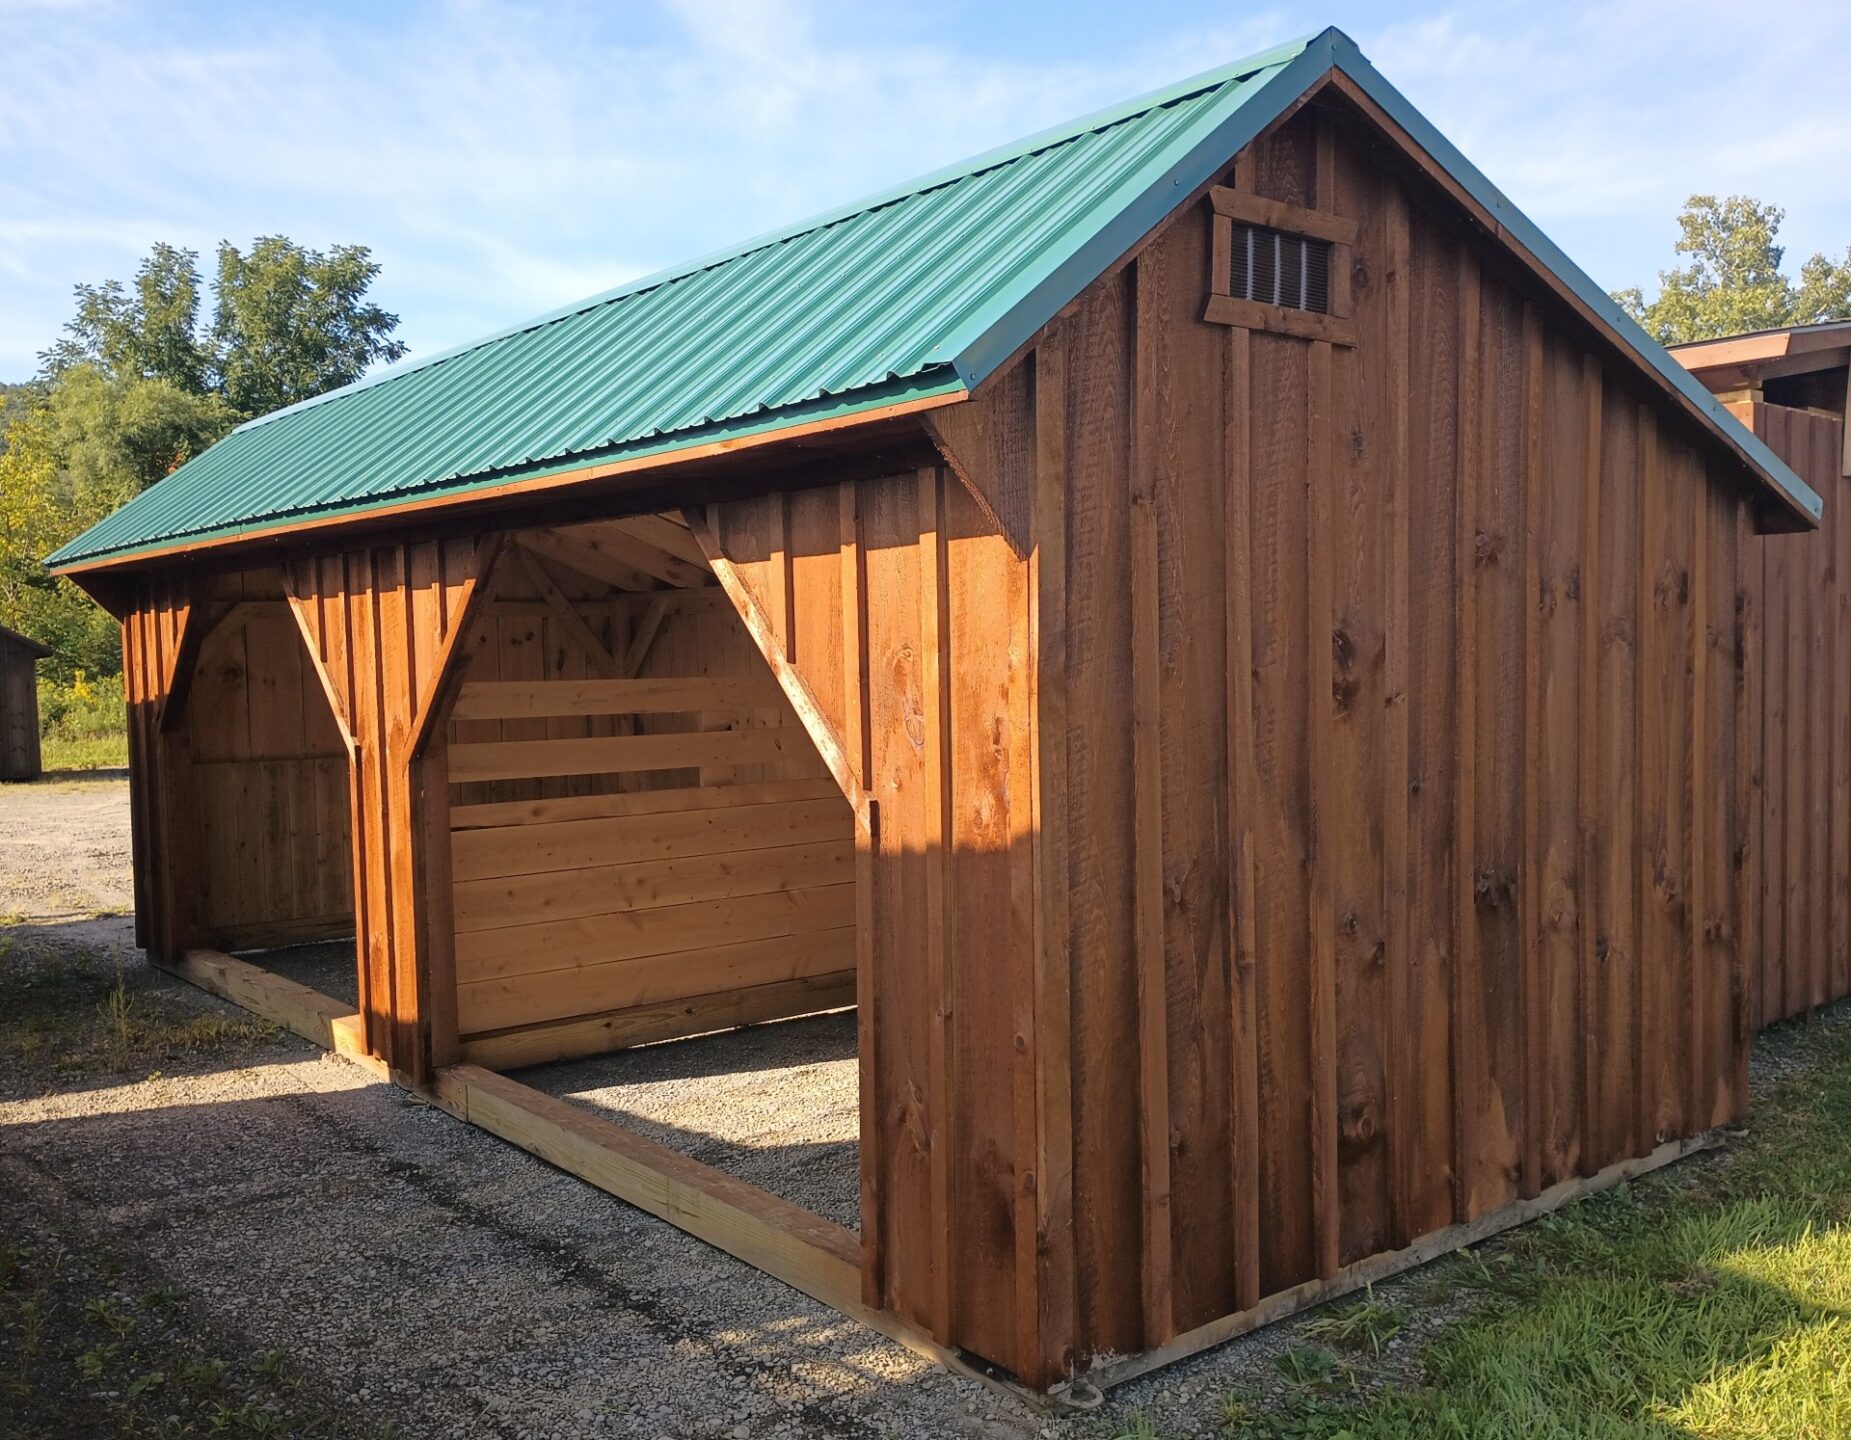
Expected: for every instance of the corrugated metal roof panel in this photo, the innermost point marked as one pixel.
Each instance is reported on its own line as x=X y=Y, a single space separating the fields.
x=917 y=292
x=852 y=310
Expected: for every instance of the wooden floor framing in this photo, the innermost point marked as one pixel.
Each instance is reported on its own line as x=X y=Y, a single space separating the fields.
x=813 y=1255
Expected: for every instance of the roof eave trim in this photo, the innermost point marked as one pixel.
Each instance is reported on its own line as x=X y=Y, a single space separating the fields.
x=1787 y=486
x=746 y=433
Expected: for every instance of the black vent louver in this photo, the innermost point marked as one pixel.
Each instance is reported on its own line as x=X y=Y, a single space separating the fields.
x=1274 y=268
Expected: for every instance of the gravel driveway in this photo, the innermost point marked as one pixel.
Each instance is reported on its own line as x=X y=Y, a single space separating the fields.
x=416 y=1273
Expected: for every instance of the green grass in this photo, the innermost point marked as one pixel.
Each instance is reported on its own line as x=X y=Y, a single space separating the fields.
x=83 y=724
x=1712 y=1299
x=106 y=752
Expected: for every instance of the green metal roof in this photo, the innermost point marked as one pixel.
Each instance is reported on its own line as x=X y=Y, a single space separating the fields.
x=920 y=291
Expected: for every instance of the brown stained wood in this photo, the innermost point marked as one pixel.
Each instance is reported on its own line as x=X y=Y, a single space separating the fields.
x=612 y=889
x=490 y=815
x=1153 y=1060
x=857 y=753
x=937 y=987
x=1244 y=1112
x=810 y=713
x=628 y=934
x=1533 y=540
x=617 y=754
x=1588 y=796
x=652 y=1024
x=1277 y=215
x=649 y=695
x=1321 y=974
x=570 y=621
x=543 y=995
x=1305 y=324
x=1053 y=983
x=1400 y=1084
x=1468 y=1025
x=481 y=854
x=1366 y=735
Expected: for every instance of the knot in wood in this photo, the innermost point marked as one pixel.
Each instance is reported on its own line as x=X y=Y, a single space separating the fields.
x=1486 y=548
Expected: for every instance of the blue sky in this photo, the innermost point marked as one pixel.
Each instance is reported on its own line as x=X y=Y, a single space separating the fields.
x=502 y=159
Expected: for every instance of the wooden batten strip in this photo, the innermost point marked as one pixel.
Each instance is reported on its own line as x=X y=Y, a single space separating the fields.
x=1401 y=1075
x=935 y=714
x=1053 y=1174
x=1588 y=722
x=1531 y=1007
x=1147 y=863
x=1468 y=1063
x=1322 y=955
x=1243 y=796
x=857 y=750
x=620 y=754
x=1647 y=644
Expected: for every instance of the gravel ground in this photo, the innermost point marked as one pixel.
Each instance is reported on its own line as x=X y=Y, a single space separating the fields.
x=420 y=1274
x=777 y=1105
x=64 y=848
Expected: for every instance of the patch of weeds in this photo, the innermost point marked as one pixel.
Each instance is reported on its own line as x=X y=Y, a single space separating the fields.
x=1368 y=1324
x=1310 y=1365
x=200 y=1377
x=75 y=1013
x=161 y=1297
x=107 y=1313
x=94 y=1361
x=271 y=1366
x=1137 y=1426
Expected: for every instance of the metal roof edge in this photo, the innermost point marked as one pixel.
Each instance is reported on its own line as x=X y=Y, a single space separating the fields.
x=936 y=381
x=998 y=331
x=1753 y=450
x=946 y=174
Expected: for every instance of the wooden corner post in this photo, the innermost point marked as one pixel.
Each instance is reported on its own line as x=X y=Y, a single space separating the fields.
x=383 y=626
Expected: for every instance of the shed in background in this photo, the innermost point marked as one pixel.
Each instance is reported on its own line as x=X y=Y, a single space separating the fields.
x=1790 y=387
x=19 y=705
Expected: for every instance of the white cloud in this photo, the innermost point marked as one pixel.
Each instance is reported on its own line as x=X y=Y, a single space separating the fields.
x=504 y=158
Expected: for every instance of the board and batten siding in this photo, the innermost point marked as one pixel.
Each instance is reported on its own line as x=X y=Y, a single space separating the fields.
x=1397 y=723
x=903 y=613
x=1802 y=587
x=268 y=775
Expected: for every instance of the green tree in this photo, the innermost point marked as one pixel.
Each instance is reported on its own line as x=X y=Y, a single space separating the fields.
x=137 y=385
x=292 y=323
x=288 y=323
x=1734 y=281
x=89 y=443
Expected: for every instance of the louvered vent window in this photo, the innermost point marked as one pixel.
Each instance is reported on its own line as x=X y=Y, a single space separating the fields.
x=1274 y=268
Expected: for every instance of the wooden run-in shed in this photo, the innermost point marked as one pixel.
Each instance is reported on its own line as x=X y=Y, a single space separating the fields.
x=19 y=705
x=1204 y=624
x=1790 y=387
